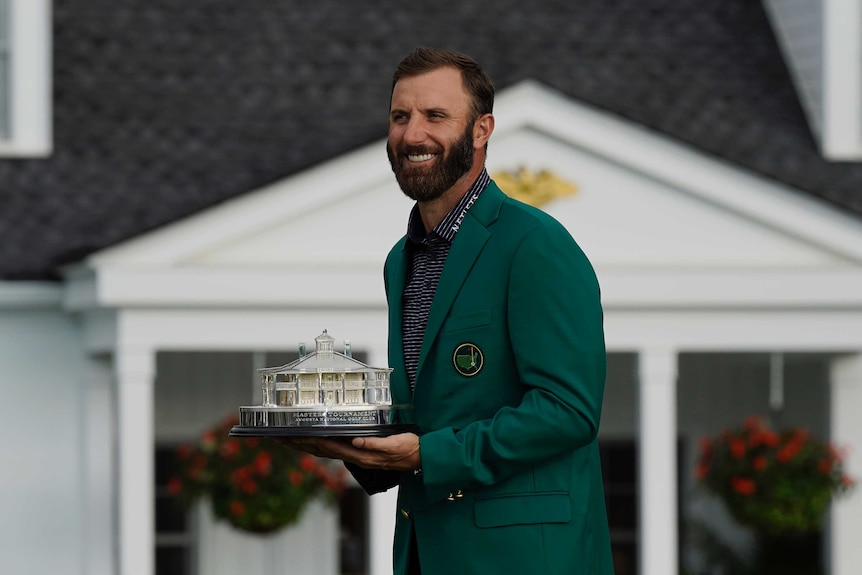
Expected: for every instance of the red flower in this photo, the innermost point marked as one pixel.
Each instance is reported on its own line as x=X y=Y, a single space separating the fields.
x=787 y=452
x=743 y=486
x=184 y=451
x=241 y=475
x=237 y=508
x=701 y=470
x=175 y=486
x=759 y=463
x=752 y=422
x=252 y=442
x=824 y=466
x=737 y=448
x=263 y=462
x=307 y=462
x=249 y=487
x=771 y=439
x=230 y=448
x=208 y=439
x=296 y=477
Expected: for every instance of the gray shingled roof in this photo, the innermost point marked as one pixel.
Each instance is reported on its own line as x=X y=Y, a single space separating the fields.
x=163 y=107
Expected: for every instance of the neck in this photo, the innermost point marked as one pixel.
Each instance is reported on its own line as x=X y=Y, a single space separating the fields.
x=433 y=211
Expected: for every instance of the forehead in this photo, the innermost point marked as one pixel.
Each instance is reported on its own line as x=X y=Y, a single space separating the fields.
x=440 y=88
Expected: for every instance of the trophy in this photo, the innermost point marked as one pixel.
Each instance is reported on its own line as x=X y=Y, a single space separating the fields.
x=324 y=393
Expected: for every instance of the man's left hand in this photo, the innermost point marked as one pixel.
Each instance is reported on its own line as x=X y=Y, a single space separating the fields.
x=396 y=452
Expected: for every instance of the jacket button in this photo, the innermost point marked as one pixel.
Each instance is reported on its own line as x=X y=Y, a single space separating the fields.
x=450 y=497
x=405 y=513
x=458 y=494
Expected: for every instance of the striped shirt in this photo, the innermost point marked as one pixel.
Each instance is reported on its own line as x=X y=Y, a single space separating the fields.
x=426 y=255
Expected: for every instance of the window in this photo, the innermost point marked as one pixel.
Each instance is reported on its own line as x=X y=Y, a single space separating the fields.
x=619 y=471
x=25 y=78
x=174 y=530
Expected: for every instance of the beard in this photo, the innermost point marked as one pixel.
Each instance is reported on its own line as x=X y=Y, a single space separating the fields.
x=425 y=184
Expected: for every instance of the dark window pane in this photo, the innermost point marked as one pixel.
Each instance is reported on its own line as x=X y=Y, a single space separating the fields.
x=170 y=517
x=625 y=558
x=172 y=561
x=622 y=511
x=165 y=464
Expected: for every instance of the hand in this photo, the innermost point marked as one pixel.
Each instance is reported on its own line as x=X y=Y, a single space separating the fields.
x=396 y=452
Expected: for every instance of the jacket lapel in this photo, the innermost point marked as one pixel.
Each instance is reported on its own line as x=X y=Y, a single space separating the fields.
x=395 y=278
x=466 y=247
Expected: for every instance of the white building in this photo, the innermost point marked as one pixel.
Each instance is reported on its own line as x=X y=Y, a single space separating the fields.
x=710 y=272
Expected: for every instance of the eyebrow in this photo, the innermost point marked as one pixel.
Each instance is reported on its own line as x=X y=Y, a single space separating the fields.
x=426 y=111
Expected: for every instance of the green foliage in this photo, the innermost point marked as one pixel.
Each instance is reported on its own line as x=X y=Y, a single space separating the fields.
x=255 y=484
x=778 y=483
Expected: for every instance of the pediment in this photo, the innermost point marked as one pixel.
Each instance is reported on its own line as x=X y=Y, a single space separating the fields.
x=643 y=202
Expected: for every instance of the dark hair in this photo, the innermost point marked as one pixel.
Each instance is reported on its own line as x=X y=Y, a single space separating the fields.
x=477 y=83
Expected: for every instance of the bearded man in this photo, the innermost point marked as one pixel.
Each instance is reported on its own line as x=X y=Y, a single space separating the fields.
x=496 y=337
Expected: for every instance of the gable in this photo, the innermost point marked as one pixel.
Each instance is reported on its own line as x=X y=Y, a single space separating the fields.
x=645 y=204
x=624 y=218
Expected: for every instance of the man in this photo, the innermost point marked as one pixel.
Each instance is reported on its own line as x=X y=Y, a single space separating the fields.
x=495 y=334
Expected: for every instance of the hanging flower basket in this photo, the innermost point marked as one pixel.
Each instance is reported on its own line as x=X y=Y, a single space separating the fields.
x=256 y=485
x=777 y=483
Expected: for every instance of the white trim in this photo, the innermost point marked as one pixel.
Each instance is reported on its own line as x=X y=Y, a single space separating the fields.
x=728 y=288
x=382 y=508
x=842 y=80
x=662 y=158
x=288 y=199
x=217 y=286
x=735 y=330
x=846 y=516
x=30 y=102
x=527 y=105
x=135 y=366
x=30 y=295
x=657 y=461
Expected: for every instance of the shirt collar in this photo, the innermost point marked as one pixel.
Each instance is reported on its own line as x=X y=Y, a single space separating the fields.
x=449 y=225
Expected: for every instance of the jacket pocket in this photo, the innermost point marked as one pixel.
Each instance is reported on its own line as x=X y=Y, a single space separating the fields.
x=524 y=509
x=477 y=318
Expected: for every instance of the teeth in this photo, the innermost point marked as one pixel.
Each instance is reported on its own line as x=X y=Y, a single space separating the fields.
x=420 y=158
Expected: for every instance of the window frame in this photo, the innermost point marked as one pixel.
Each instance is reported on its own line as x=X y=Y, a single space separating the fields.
x=29 y=98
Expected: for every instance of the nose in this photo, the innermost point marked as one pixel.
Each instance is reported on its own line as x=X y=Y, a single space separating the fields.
x=414 y=130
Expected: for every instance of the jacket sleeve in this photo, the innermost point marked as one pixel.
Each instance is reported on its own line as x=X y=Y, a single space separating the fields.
x=373 y=480
x=555 y=327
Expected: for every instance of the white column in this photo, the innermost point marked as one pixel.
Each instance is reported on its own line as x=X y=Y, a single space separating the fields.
x=99 y=450
x=846 y=515
x=135 y=374
x=657 y=463
x=381 y=509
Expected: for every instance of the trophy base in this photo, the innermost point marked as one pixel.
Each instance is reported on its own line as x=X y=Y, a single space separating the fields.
x=341 y=421
x=382 y=430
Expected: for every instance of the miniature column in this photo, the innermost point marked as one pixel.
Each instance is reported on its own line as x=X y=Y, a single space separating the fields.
x=657 y=463
x=846 y=513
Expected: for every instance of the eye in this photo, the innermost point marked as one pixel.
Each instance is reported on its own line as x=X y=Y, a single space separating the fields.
x=398 y=117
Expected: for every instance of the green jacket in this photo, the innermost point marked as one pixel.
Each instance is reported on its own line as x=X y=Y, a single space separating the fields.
x=508 y=397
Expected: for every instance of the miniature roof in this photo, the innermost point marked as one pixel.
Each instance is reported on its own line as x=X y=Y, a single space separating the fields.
x=323 y=360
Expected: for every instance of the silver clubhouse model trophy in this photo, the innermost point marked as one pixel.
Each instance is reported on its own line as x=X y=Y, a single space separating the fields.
x=324 y=393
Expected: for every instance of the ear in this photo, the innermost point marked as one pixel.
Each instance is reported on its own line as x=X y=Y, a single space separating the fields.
x=483 y=127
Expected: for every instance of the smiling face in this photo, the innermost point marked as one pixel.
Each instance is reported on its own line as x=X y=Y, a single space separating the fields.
x=432 y=134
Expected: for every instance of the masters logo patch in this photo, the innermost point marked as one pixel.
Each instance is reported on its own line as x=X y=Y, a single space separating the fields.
x=468 y=359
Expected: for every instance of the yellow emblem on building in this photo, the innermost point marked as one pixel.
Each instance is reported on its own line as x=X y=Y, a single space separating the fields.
x=536 y=189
